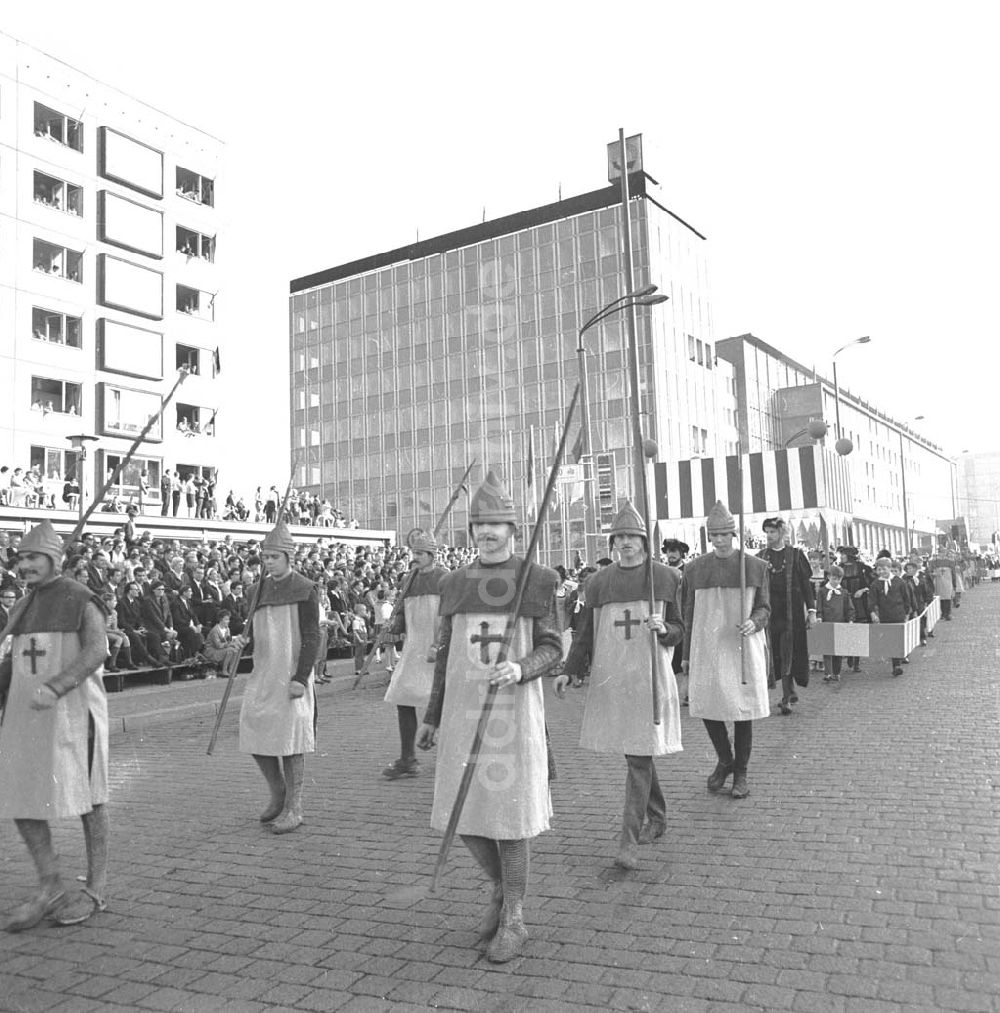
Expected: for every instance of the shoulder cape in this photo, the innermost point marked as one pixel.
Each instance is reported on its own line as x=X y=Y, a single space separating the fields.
x=618 y=583
x=427 y=583
x=711 y=570
x=481 y=588
x=293 y=588
x=56 y=607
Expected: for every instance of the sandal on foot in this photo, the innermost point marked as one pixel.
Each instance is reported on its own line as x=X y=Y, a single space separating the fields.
x=79 y=908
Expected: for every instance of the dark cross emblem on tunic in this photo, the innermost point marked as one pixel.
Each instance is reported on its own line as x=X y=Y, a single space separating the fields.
x=33 y=654
x=484 y=640
x=628 y=622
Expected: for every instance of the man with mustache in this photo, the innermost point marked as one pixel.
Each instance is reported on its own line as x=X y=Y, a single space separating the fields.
x=508 y=801
x=54 y=738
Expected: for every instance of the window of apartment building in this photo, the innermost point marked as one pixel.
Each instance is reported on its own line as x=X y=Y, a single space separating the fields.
x=58 y=194
x=53 y=459
x=193 y=420
x=190 y=357
x=195 y=303
x=196 y=188
x=194 y=244
x=709 y=355
x=58 y=127
x=59 y=328
x=57 y=260
x=125 y=411
x=691 y=348
x=701 y=353
x=49 y=395
x=127 y=483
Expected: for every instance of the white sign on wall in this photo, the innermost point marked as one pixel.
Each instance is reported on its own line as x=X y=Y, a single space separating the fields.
x=122 y=222
x=132 y=350
x=131 y=162
x=130 y=287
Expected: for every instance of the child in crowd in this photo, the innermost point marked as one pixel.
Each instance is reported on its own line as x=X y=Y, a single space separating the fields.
x=383 y=612
x=911 y=578
x=835 y=606
x=889 y=601
x=359 y=636
x=118 y=642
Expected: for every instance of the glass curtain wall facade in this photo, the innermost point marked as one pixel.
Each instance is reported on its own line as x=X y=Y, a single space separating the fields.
x=402 y=375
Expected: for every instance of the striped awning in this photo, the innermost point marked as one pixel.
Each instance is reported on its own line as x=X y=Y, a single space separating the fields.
x=799 y=479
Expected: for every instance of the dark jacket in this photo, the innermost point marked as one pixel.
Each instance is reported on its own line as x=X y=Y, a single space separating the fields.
x=892 y=606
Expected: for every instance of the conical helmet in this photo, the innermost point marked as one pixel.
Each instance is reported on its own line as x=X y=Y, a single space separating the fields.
x=627 y=522
x=720 y=520
x=42 y=538
x=279 y=539
x=421 y=541
x=491 y=503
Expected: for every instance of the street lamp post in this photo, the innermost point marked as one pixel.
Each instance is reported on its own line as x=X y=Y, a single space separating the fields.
x=842 y=446
x=641 y=297
x=79 y=444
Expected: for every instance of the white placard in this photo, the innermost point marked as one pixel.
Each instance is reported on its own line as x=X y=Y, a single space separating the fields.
x=131 y=287
x=131 y=350
x=131 y=162
x=125 y=223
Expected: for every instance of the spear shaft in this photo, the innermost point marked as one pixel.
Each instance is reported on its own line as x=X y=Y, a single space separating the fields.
x=504 y=648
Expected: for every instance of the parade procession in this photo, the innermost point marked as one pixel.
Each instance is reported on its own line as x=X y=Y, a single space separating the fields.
x=419 y=587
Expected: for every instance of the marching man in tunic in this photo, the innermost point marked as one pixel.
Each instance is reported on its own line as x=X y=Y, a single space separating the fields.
x=278 y=716
x=54 y=736
x=508 y=801
x=615 y=639
x=410 y=686
x=719 y=627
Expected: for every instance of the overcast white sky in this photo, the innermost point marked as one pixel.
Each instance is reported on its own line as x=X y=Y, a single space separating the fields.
x=842 y=160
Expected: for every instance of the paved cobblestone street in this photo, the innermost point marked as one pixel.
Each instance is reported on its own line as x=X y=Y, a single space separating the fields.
x=861 y=874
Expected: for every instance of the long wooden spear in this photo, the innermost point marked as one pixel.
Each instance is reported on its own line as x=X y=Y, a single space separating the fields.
x=113 y=477
x=504 y=648
x=397 y=606
x=234 y=659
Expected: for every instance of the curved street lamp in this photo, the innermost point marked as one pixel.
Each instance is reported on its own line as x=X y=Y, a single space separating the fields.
x=641 y=297
x=843 y=446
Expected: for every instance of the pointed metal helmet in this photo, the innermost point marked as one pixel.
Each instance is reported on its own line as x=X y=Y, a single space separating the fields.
x=421 y=541
x=491 y=503
x=627 y=522
x=279 y=539
x=42 y=538
x=720 y=520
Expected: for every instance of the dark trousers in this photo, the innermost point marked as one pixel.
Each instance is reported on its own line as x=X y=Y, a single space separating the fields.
x=946 y=609
x=832 y=663
x=644 y=799
x=742 y=742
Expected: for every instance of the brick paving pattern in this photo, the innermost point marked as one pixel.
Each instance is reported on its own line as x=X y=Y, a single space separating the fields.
x=861 y=874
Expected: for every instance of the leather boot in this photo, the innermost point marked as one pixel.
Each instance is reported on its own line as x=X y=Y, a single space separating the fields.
x=291 y=817
x=490 y=921
x=270 y=767
x=511 y=935
x=717 y=779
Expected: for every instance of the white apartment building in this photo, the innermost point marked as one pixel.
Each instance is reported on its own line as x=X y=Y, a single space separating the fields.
x=109 y=215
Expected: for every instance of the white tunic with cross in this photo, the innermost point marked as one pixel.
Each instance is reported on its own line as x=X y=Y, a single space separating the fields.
x=619 y=713
x=46 y=771
x=509 y=795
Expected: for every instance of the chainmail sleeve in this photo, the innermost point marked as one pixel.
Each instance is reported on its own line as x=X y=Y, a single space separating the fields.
x=432 y=716
x=547 y=643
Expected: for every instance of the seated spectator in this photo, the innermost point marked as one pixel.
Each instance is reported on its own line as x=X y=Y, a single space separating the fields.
x=219 y=647
x=186 y=623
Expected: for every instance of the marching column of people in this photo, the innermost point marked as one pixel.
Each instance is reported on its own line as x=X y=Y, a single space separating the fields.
x=636 y=615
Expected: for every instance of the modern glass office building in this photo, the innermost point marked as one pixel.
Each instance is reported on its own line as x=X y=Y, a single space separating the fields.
x=407 y=365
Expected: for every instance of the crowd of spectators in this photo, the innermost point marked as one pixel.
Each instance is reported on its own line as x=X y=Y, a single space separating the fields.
x=168 y=598
x=181 y=494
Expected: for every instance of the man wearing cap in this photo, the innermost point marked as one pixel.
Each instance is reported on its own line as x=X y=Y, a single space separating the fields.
x=857 y=580
x=676 y=552
x=277 y=719
x=725 y=650
x=54 y=737
x=793 y=610
x=508 y=801
x=615 y=638
x=410 y=686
